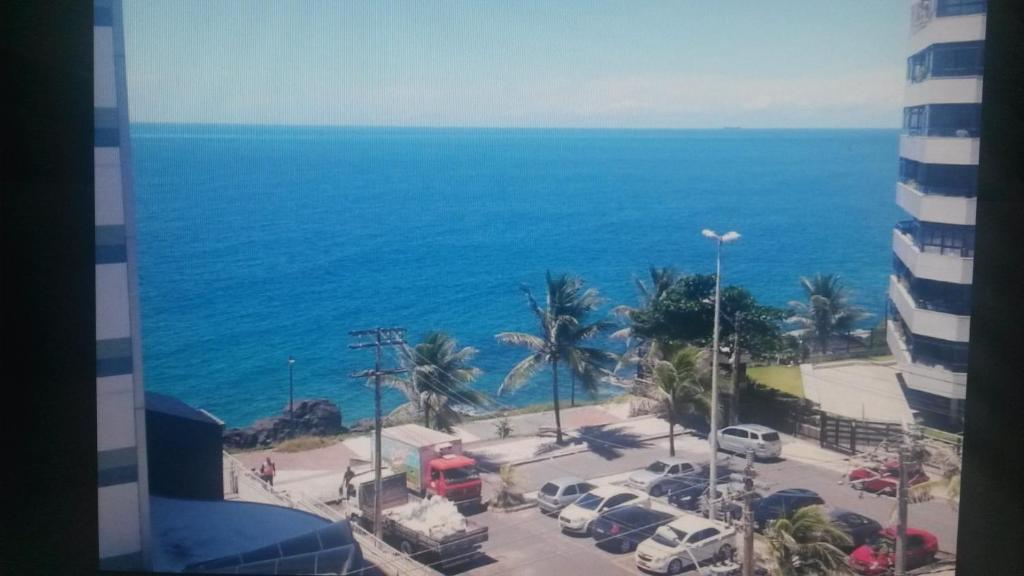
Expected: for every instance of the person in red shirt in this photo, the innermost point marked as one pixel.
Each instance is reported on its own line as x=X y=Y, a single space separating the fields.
x=267 y=471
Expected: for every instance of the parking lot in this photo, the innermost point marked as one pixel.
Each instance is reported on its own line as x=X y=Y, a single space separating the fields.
x=527 y=542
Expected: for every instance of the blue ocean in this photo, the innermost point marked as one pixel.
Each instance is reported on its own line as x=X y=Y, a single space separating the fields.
x=256 y=243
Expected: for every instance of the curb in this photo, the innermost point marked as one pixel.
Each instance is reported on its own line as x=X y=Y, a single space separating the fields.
x=525 y=506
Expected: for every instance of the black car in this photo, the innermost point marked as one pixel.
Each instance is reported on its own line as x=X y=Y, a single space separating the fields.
x=783 y=504
x=684 y=493
x=624 y=528
x=858 y=527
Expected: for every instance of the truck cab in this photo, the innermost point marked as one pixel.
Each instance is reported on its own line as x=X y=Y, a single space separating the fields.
x=454 y=476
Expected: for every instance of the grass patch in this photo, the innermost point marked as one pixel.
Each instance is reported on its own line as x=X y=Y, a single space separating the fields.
x=941 y=435
x=782 y=378
x=303 y=443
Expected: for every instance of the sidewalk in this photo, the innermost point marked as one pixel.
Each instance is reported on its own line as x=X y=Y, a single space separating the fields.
x=318 y=473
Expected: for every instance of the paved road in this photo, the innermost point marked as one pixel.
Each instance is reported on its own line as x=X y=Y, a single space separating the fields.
x=936 y=516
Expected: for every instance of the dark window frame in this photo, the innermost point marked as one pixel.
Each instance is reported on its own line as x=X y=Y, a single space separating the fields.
x=945 y=8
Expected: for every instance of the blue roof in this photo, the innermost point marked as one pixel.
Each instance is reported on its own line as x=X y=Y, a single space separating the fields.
x=171 y=406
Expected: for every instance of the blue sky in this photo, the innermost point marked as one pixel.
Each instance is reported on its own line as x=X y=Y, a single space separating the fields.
x=683 y=64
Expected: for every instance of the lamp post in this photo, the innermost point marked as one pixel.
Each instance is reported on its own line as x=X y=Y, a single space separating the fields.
x=713 y=436
x=291 y=363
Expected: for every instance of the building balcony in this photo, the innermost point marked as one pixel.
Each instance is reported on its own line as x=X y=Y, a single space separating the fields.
x=931 y=30
x=930 y=378
x=931 y=265
x=935 y=208
x=924 y=322
x=939 y=149
x=937 y=90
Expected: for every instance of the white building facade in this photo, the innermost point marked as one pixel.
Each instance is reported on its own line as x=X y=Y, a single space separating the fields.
x=928 y=325
x=122 y=472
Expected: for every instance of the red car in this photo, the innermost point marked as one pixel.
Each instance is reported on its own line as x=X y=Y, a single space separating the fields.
x=884 y=478
x=879 y=557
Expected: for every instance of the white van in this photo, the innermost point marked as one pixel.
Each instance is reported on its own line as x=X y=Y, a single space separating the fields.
x=764 y=441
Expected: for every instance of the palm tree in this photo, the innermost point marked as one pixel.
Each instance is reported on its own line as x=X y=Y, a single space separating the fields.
x=807 y=544
x=439 y=375
x=662 y=280
x=677 y=384
x=563 y=329
x=828 y=311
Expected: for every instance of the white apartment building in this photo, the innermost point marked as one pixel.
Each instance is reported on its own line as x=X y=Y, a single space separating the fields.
x=122 y=472
x=930 y=287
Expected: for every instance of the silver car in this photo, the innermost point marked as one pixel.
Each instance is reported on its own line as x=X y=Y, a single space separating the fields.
x=649 y=479
x=560 y=492
x=764 y=441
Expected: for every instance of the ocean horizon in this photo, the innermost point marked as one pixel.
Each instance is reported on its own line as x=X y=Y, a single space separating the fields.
x=257 y=242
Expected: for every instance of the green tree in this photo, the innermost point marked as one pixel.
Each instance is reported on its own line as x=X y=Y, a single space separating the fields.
x=563 y=329
x=685 y=312
x=439 y=375
x=807 y=544
x=828 y=311
x=661 y=281
x=677 y=384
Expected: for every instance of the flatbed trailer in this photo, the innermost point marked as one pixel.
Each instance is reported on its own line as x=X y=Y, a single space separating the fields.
x=450 y=550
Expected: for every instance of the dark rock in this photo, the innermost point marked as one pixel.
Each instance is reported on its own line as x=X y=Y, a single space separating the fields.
x=310 y=418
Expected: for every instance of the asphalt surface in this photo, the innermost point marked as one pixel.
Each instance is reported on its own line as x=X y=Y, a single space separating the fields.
x=527 y=542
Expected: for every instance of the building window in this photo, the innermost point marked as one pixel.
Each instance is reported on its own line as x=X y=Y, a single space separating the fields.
x=913 y=120
x=953 y=59
x=941 y=179
x=960 y=7
x=947 y=239
x=945 y=297
x=958 y=59
x=945 y=120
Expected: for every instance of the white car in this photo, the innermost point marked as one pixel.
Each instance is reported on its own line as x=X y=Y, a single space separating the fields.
x=763 y=440
x=683 y=541
x=649 y=479
x=578 y=516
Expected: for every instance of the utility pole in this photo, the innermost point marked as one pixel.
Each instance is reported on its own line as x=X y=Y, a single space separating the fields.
x=748 y=515
x=382 y=337
x=901 y=523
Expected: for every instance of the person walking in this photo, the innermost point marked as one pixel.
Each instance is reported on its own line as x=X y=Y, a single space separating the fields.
x=349 y=475
x=267 y=471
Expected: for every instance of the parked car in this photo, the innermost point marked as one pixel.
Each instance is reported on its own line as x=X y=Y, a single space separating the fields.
x=884 y=478
x=764 y=441
x=649 y=479
x=560 y=492
x=684 y=493
x=878 y=557
x=783 y=504
x=730 y=505
x=858 y=527
x=624 y=528
x=578 y=516
x=683 y=541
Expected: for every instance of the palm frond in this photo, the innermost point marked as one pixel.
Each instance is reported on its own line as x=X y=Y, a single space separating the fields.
x=521 y=339
x=521 y=373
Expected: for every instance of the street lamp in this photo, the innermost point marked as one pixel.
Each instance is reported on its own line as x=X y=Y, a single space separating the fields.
x=291 y=363
x=712 y=484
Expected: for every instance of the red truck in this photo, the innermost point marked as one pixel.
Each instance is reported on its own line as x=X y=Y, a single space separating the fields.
x=433 y=463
